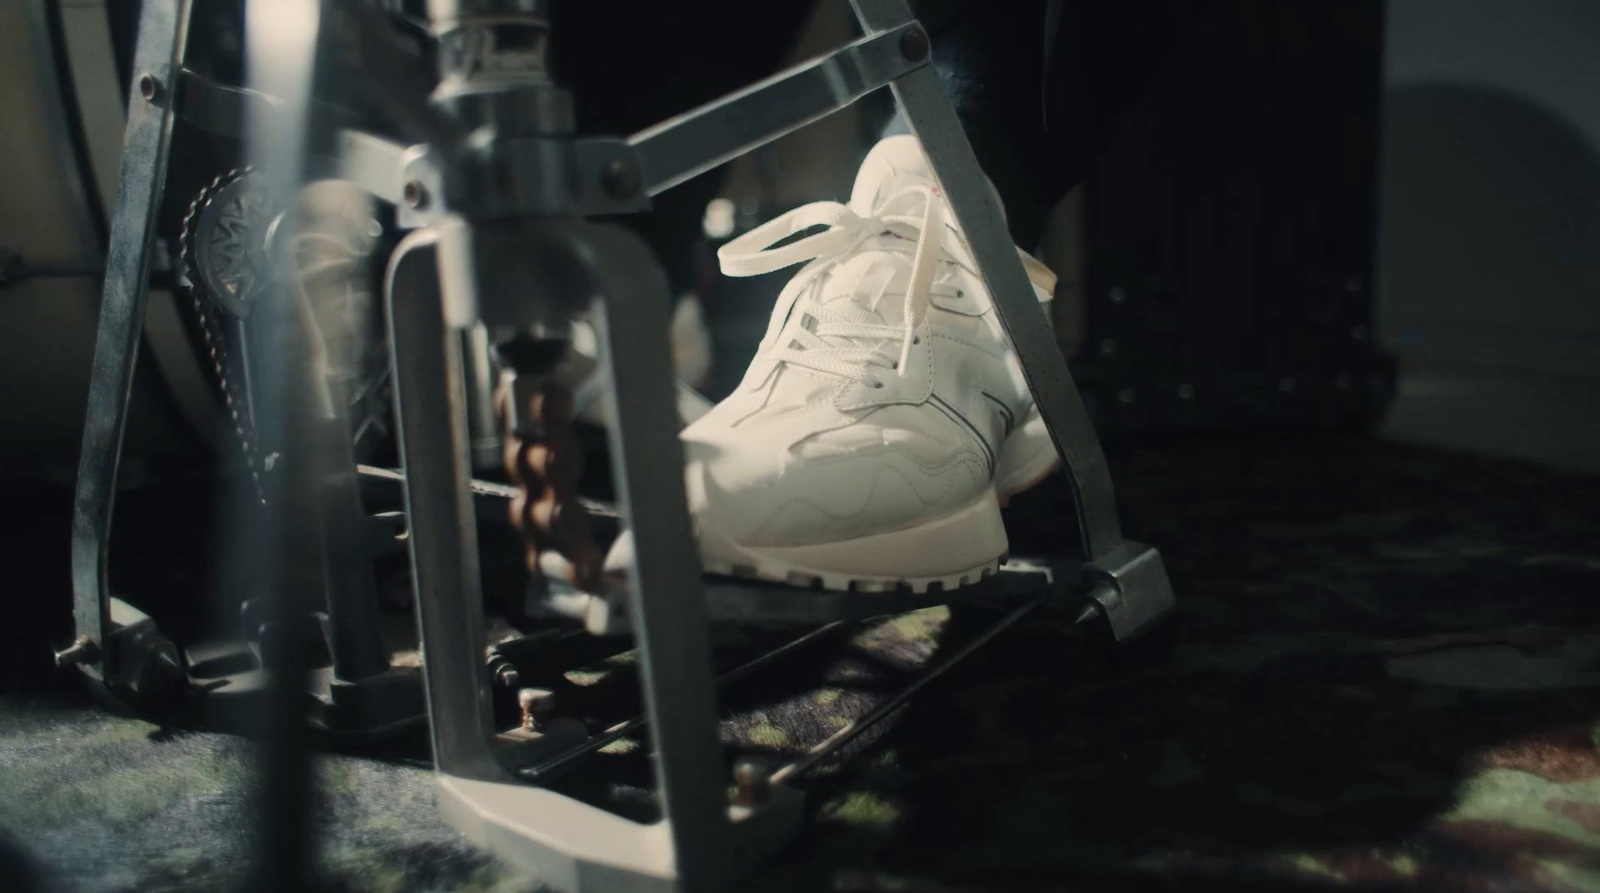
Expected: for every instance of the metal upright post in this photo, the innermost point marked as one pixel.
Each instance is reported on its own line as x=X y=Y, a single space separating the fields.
x=1127 y=579
x=932 y=118
x=158 y=57
x=443 y=540
x=666 y=601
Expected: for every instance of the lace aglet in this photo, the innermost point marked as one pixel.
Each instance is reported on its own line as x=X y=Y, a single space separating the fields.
x=905 y=351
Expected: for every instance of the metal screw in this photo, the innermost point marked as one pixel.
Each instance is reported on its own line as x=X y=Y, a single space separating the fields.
x=1125 y=396
x=149 y=87
x=914 y=44
x=1342 y=382
x=1359 y=333
x=505 y=672
x=620 y=177
x=1186 y=391
x=1108 y=346
x=83 y=650
x=1105 y=597
x=752 y=779
x=1286 y=384
x=415 y=195
x=534 y=703
x=1118 y=294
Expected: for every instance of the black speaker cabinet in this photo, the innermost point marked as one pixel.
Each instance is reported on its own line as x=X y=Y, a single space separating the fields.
x=1228 y=231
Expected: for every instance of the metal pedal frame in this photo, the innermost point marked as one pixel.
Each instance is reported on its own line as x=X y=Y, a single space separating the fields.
x=702 y=841
x=116 y=646
x=476 y=235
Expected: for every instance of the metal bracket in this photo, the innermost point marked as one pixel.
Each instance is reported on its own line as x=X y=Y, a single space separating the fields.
x=1130 y=586
x=163 y=34
x=699 y=843
x=692 y=143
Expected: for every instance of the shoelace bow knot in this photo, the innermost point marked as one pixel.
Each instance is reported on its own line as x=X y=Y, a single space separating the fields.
x=916 y=212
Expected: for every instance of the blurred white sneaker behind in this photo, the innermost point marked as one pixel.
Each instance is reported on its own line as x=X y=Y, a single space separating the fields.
x=884 y=416
x=582 y=371
x=691 y=342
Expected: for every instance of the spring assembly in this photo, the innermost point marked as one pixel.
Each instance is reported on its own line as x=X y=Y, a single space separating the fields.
x=545 y=462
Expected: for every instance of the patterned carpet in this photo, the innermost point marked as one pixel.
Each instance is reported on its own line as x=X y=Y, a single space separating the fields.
x=1384 y=675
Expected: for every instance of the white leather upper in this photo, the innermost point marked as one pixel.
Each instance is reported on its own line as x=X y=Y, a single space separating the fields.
x=884 y=388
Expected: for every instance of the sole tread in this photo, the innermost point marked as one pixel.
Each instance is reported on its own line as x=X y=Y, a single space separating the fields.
x=821 y=581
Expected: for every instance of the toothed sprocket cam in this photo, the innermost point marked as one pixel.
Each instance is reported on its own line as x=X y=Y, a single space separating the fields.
x=229 y=252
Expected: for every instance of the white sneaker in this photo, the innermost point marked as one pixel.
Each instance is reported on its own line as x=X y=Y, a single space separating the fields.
x=884 y=417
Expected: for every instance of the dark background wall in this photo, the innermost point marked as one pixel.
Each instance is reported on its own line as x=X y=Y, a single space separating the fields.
x=1489 y=261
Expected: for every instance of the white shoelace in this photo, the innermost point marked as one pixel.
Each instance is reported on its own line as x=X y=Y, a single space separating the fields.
x=847 y=339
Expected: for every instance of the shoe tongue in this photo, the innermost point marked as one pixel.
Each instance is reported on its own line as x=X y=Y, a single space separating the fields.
x=846 y=293
x=893 y=164
x=850 y=288
x=844 y=296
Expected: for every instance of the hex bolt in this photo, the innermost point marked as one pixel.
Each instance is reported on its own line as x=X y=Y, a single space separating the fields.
x=83 y=650
x=149 y=87
x=752 y=780
x=534 y=702
x=414 y=194
x=1103 y=598
x=620 y=177
x=914 y=45
x=504 y=671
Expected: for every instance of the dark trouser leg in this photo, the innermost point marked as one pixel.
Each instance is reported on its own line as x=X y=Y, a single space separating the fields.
x=1035 y=132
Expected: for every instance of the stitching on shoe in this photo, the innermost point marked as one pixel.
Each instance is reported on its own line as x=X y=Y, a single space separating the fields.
x=987 y=351
x=838 y=394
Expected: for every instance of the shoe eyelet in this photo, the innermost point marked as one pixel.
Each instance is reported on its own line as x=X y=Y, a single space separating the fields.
x=875 y=385
x=960 y=293
x=916 y=339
